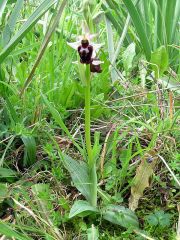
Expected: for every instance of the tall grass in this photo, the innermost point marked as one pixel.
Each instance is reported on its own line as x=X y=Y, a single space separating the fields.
x=155 y=23
x=46 y=124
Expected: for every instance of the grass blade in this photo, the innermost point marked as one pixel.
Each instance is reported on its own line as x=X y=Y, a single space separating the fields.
x=8 y=231
x=44 y=44
x=44 y=7
x=2 y=7
x=9 y=28
x=30 y=150
x=140 y=28
x=57 y=117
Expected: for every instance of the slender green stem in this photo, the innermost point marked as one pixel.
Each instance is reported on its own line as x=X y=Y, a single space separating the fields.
x=88 y=116
x=91 y=162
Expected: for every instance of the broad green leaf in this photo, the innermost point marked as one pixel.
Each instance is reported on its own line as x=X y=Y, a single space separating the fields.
x=93 y=233
x=128 y=56
x=30 y=150
x=3 y=191
x=79 y=175
x=81 y=208
x=159 y=60
x=121 y=216
x=26 y=27
x=141 y=180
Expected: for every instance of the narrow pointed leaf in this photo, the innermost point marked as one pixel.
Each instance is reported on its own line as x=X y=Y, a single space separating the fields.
x=9 y=28
x=2 y=7
x=140 y=28
x=30 y=150
x=79 y=175
x=9 y=232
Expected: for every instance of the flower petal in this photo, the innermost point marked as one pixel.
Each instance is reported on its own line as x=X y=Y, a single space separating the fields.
x=96 y=46
x=96 y=62
x=74 y=45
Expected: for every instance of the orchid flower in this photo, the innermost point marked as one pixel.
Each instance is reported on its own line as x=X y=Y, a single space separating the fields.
x=87 y=51
x=88 y=63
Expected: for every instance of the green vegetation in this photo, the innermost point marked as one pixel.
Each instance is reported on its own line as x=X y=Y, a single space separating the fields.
x=89 y=137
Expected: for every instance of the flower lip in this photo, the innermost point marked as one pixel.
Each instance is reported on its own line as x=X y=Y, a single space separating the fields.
x=95 y=66
x=85 y=52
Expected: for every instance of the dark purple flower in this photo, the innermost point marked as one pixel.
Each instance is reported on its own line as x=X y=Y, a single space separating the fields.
x=95 y=66
x=85 y=51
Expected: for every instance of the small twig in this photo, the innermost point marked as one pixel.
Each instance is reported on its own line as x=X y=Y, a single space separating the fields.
x=136 y=95
x=104 y=150
x=167 y=166
x=171 y=105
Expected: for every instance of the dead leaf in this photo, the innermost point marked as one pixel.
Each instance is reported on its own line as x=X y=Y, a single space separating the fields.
x=141 y=180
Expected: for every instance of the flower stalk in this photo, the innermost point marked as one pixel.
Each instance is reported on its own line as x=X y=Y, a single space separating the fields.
x=88 y=63
x=91 y=162
x=88 y=114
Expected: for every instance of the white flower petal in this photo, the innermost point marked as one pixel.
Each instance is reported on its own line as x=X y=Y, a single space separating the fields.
x=96 y=62
x=96 y=48
x=74 y=45
x=87 y=36
x=94 y=54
